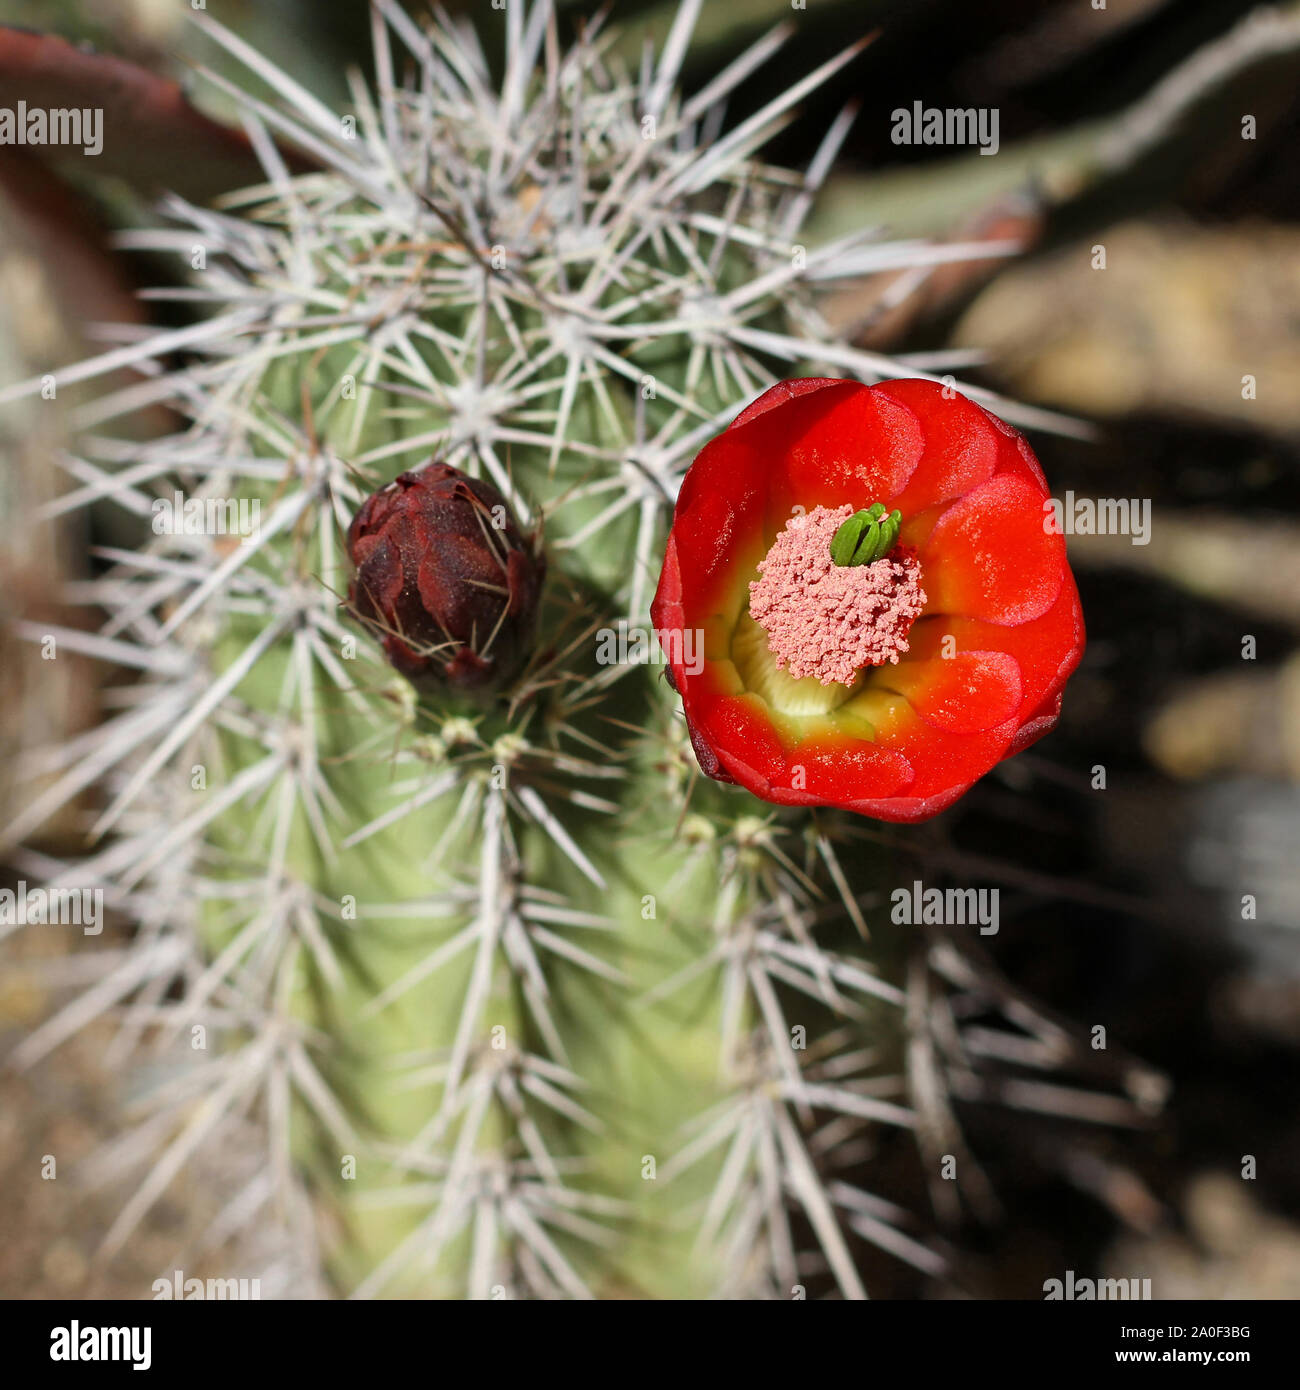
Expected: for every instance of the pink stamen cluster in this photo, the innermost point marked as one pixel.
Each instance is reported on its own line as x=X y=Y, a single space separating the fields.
x=828 y=620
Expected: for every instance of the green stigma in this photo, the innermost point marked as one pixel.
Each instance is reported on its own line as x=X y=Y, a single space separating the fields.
x=866 y=536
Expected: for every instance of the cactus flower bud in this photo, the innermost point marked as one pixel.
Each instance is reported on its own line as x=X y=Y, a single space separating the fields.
x=445 y=580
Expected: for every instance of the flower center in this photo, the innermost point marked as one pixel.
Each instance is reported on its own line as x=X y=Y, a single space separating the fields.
x=837 y=595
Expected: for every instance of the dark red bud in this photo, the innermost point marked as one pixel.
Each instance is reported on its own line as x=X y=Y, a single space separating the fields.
x=445 y=580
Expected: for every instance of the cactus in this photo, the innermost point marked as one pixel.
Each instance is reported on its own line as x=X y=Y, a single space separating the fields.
x=510 y=999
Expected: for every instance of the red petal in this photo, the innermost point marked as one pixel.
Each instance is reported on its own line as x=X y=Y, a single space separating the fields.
x=905 y=810
x=719 y=519
x=1047 y=649
x=989 y=557
x=944 y=760
x=962 y=694
x=1042 y=723
x=666 y=607
x=738 y=730
x=847 y=445
x=780 y=393
x=961 y=446
x=1015 y=445
x=840 y=772
x=710 y=765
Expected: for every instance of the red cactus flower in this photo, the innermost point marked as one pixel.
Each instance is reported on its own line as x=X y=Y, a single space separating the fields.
x=884 y=613
x=445 y=580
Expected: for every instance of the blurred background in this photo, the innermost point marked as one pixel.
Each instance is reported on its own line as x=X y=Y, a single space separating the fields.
x=1161 y=899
